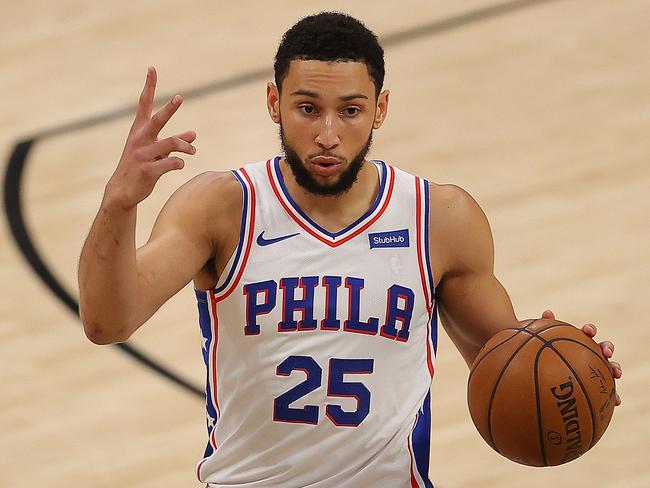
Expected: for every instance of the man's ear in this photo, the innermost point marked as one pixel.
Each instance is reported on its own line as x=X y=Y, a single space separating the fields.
x=382 y=109
x=273 y=102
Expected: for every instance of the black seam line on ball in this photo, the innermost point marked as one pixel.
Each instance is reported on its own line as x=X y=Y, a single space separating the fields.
x=505 y=367
x=606 y=364
x=495 y=347
x=540 y=428
x=584 y=392
x=549 y=343
x=496 y=385
x=568 y=339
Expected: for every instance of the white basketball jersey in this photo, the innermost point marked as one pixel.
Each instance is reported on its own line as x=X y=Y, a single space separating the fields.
x=320 y=346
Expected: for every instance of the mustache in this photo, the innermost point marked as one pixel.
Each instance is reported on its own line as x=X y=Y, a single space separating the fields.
x=325 y=154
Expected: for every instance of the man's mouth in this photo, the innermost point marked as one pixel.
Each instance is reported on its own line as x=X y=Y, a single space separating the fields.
x=325 y=166
x=325 y=161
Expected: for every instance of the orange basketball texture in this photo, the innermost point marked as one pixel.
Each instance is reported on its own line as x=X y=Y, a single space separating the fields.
x=541 y=394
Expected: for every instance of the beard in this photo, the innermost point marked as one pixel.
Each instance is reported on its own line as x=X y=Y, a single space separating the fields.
x=305 y=179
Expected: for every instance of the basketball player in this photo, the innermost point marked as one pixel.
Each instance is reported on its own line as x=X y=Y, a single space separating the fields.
x=319 y=275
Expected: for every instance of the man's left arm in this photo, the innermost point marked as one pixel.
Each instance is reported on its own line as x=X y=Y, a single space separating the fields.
x=472 y=304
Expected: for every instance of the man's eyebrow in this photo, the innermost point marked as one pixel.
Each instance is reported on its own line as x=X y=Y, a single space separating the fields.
x=311 y=94
x=347 y=98
x=306 y=93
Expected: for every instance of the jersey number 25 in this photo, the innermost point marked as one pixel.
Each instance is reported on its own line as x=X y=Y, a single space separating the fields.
x=336 y=387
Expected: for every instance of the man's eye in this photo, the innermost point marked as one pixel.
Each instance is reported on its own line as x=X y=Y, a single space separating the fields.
x=308 y=109
x=352 y=110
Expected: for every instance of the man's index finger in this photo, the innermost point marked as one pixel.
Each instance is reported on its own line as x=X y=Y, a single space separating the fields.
x=145 y=104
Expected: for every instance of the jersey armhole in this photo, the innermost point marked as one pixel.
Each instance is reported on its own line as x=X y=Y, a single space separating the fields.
x=424 y=263
x=235 y=266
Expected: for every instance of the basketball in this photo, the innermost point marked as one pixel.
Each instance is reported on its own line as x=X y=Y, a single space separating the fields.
x=541 y=394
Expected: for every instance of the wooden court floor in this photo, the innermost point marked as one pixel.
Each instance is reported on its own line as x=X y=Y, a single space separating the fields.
x=541 y=110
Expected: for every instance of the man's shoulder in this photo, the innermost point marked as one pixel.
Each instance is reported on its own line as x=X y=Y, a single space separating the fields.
x=459 y=229
x=212 y=188
x=453 y=202
x=223 y=185
x=207 y=197
x=209 y=181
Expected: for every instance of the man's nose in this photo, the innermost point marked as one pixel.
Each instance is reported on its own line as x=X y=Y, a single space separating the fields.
x=327 y=134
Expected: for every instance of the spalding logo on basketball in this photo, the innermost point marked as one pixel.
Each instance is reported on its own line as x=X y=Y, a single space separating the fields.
x=541 y=394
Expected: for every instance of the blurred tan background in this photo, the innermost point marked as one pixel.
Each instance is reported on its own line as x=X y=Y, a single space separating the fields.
x=540 y=110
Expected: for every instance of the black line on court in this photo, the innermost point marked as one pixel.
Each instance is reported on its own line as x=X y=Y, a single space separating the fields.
x=19 y=157
x=13 y=207
x=426 y=30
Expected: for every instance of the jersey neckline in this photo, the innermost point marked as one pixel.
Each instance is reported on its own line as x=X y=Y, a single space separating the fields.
x=386 y=182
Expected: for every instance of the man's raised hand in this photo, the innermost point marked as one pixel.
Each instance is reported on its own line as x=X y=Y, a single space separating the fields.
x=146 y=158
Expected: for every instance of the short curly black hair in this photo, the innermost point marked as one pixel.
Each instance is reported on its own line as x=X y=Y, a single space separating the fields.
x=330 y=36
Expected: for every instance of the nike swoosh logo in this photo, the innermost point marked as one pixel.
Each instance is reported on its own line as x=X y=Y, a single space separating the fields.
x=267 y=242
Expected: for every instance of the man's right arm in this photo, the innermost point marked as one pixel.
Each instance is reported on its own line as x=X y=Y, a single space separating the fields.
x=119 y=287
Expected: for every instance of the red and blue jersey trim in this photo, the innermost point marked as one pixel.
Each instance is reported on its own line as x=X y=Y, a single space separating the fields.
x=424 y=262
x=433 y=323
x=419 y=443
x=245 y=236
x=419 y=440
x=209 y=322
x=207 y=304
x=242 y=230
x=332 y=239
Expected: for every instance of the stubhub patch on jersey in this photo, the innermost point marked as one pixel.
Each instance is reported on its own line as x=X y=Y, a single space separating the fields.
x=392 y=238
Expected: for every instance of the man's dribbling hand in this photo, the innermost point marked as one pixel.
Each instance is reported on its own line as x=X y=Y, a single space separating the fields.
x=145 y=158
x=606 y=346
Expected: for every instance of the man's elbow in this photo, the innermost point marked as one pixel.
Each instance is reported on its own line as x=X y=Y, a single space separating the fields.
x=100 y=334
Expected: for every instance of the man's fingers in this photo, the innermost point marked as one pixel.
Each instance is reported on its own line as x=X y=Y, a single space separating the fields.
x=608 y=348
x=548 y=314
x=616 y=368
x=589 y=329
x=188 y=136
x=145 y=104
x=158 y=168
x=163 y=115
x=161 y=149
